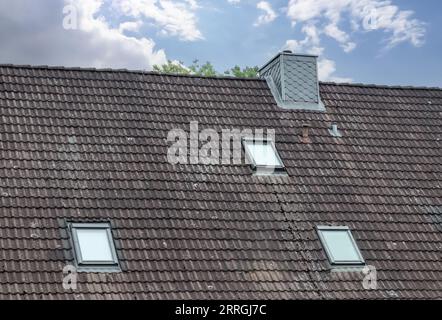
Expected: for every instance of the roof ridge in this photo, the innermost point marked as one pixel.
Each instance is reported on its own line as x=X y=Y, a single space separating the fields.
x=364 y=85
x=47 y=67
x=379 y=86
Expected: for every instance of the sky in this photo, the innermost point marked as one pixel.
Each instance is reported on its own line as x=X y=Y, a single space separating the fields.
x=393 y=42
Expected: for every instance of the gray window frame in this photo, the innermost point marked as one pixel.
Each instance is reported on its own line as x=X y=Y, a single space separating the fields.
x=326 y=247
x=251 y=159
x=113 y=264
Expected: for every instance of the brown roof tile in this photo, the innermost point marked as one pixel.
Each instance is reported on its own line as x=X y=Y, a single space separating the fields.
x=84 y=145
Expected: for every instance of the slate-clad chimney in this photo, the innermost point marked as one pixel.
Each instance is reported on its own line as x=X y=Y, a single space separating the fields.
x=293 y=80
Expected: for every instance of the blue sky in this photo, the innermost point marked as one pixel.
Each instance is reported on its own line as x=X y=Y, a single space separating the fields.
x=394 y=42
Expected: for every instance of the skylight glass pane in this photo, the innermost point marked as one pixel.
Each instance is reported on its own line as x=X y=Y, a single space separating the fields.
x=263 y=153
x=340 y=245
x=94 y=245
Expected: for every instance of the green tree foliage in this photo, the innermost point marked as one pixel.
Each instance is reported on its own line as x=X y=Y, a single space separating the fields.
x=171 y=67
x=205 y=70
x=247 y=72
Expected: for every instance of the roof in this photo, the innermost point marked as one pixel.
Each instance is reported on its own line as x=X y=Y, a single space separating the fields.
x=90 y=145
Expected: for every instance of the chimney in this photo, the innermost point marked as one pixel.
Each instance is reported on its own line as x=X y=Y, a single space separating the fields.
x=293 y=80
x=305 y=138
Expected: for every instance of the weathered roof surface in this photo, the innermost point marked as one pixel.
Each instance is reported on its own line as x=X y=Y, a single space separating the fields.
x=82 y=145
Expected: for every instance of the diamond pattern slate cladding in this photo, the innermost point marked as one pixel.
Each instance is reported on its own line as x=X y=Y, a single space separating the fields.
x=274 y=70
x=300 y=84
x=295 y=77
x=90 y=145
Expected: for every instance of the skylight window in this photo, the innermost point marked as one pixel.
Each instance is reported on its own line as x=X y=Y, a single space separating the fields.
x=94 y=245
x=262 y=154
x=340 y=246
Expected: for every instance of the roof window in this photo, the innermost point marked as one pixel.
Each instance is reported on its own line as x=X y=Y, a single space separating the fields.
x=94 y=245
x=340 y=246
x=262 y=154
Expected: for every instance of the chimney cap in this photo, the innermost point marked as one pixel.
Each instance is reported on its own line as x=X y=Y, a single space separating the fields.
x=287 y=52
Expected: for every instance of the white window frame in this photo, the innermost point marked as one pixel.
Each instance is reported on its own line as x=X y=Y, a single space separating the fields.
x=77 y=249
x=251 y=159
x=327 y=249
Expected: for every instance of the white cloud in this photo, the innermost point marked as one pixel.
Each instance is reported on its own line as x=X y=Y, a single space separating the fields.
x=37 y=36
x=323 y=17
x=311 y=44
x=133 y=26
x=193 y=4
x=234 y=1
x=173 y=18
x=268 y=16
x=365 y=15
x=333 y=31
x=326 y=69
x=112 y=42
